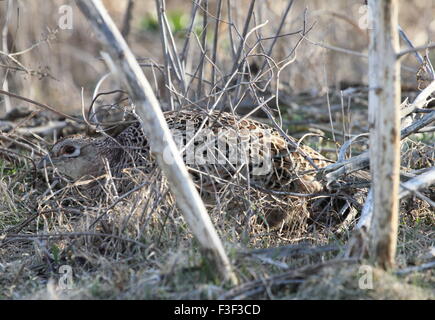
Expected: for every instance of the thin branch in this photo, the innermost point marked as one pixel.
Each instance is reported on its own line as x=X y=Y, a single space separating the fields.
x=277 y=33
x=236 y=65
x=422 y=181
x=165 y=51
x=204 y=48
x=215 y=43
x=127 y=19
x=40 y=105
x=5 y=31
x=411 y=50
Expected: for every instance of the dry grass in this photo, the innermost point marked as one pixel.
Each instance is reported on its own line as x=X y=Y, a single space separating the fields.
x=141 y=248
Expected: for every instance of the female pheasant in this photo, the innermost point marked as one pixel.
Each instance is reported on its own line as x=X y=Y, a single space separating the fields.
x=219 y=148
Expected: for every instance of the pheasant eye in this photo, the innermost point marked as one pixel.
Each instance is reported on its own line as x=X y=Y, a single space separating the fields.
x=68 y=150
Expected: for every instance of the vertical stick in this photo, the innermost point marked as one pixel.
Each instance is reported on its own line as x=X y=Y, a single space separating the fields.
x=204 y=47
x=215 y=43
x=384 y=122
x=161 y=8
x=5 y=31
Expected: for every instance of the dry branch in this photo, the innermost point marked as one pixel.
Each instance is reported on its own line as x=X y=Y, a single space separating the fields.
x=40 y=105
x=422 y=181
x=411 y=50
x=162 y=144
x=429 y=265
x=418 y=56
x=5 y=31
x=336 y=170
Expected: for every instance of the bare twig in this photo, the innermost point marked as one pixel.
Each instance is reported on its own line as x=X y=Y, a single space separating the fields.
x=230 y=30
x=40 y=105
x=5 y=31
x=249 y=15
x=165 y=51
x=411 y=50
x=278 y=32
x=31 y=237
x=429 y=265
x=422 y=181
x=204 y=48
x=416 y=126
x=127 y=19
x=184 y=51
x=215 y=43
